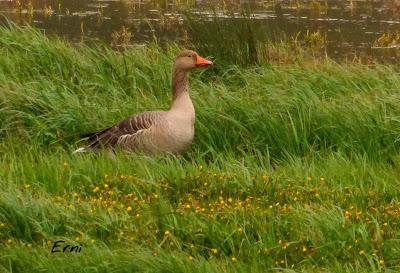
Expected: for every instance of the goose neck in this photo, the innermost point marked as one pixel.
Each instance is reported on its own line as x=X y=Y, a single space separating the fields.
x=180 y=83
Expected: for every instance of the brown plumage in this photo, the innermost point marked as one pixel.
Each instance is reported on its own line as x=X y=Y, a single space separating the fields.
x=157 y=132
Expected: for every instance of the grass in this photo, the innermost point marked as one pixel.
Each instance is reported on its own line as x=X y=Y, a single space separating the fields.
x=236 y=37
x=294 y=168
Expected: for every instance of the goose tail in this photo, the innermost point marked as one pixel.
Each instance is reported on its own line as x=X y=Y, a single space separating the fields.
x=80 y=150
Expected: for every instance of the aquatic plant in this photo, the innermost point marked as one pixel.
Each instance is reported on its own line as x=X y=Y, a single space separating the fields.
x=388 y=39
x=121 y=37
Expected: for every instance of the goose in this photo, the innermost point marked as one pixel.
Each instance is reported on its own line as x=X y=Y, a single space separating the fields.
x=156 y=132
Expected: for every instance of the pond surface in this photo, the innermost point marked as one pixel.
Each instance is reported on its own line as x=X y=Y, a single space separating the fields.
x=349 y=26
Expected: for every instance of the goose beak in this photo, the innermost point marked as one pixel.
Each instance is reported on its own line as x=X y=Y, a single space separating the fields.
x=203 y=62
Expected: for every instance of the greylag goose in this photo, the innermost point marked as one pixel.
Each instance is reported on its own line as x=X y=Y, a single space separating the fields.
x=169 y=131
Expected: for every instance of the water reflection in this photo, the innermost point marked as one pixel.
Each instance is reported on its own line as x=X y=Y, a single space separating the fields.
x=348 y=25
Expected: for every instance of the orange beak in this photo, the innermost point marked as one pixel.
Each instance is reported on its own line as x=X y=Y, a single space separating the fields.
x=203 y=62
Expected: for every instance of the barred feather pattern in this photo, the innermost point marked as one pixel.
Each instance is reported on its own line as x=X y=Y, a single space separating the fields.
x=132 y=133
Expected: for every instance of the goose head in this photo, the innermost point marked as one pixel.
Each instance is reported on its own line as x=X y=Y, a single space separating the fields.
x=188 y=60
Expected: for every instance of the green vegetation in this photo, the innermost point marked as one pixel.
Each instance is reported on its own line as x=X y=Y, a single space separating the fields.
x=294 y=168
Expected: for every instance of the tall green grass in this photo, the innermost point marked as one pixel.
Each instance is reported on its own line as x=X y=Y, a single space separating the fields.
x=237 y=37
x=293 y=168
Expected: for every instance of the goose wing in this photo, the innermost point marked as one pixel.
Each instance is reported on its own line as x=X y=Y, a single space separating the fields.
x=127 y=128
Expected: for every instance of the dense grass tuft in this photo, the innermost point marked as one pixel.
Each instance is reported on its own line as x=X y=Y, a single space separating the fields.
x=293 y=168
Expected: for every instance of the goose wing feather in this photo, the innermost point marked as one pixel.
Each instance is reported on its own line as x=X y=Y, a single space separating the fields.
x=124 y=130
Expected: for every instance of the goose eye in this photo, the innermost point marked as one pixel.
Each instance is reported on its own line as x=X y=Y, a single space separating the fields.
x=189 y=56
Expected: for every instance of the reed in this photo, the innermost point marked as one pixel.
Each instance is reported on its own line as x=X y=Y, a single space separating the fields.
x=232 y=35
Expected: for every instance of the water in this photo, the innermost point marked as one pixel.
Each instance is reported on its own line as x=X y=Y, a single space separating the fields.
x=350 y=26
